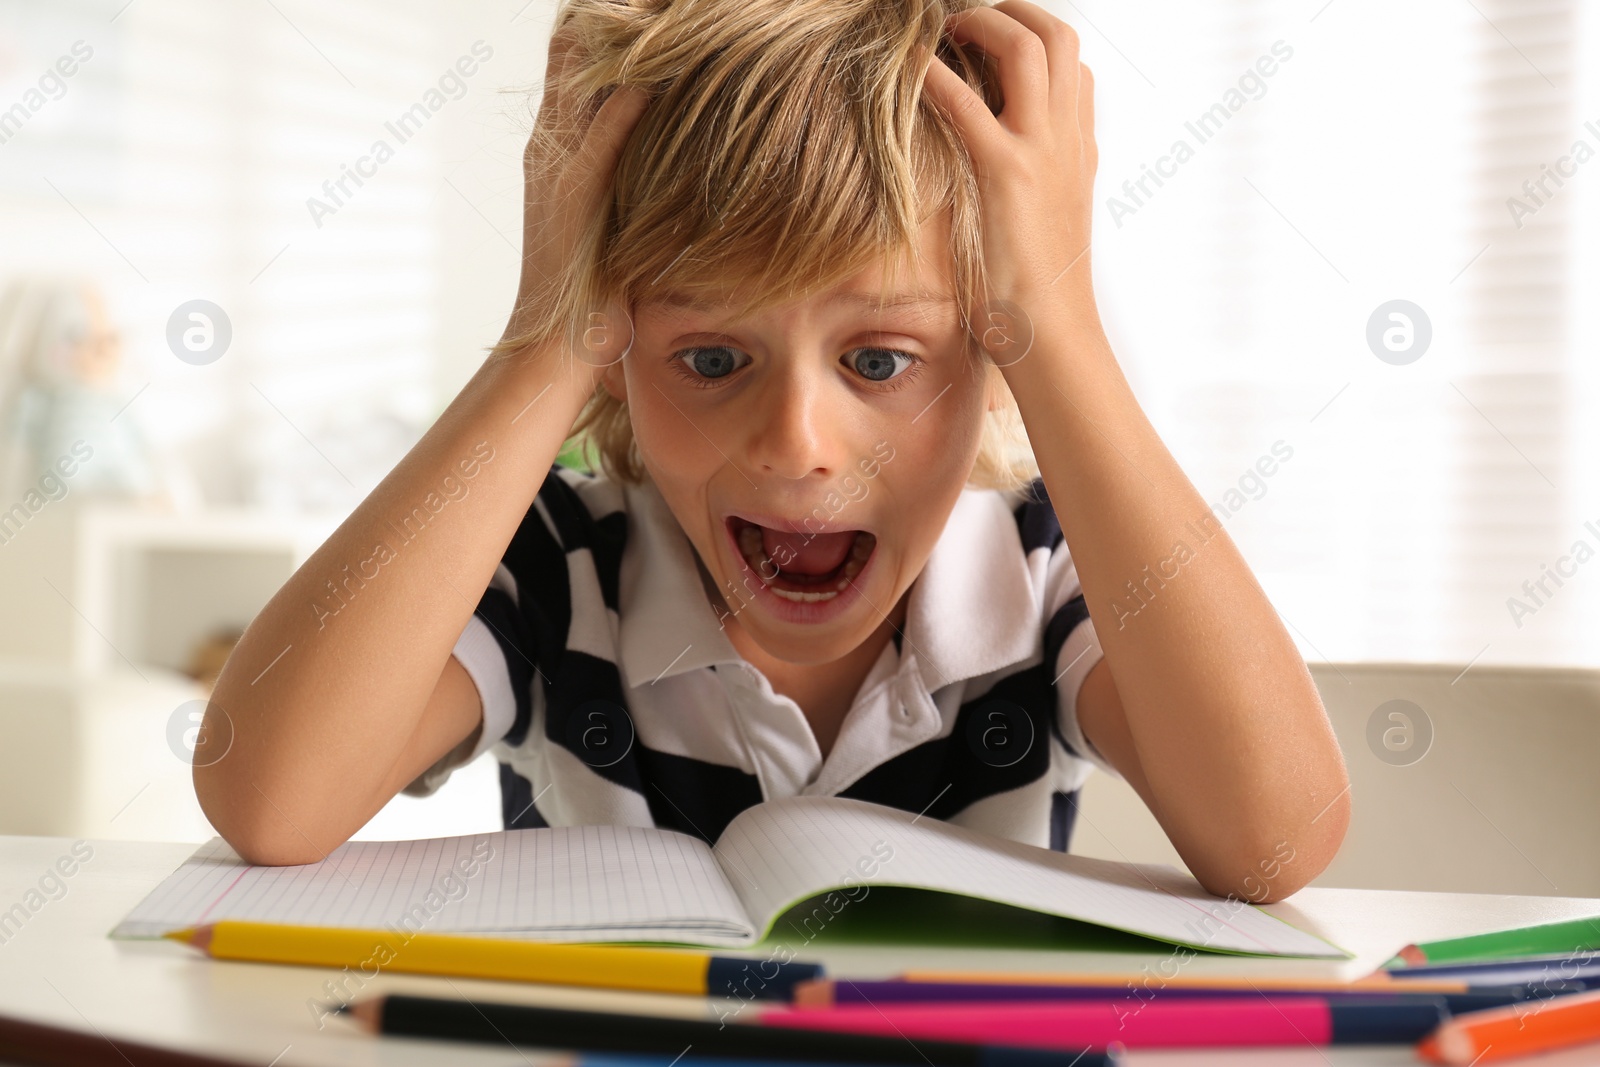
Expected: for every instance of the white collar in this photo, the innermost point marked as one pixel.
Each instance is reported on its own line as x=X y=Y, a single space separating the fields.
x=667 y=625
x=972 y=611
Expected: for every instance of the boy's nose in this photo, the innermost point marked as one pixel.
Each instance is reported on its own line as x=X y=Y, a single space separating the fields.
x=792 y=433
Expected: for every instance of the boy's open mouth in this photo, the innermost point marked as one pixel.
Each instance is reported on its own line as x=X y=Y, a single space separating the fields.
x=800 y=566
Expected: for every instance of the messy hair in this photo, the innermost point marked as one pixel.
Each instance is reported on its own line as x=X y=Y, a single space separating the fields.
x=788 y=145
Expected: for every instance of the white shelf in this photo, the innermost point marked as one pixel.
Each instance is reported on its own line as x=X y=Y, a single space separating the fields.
x=101 y=606
x=89 y=586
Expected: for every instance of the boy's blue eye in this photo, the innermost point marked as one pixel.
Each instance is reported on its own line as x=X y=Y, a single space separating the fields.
x=712 y=362
x=879 y=364
x=718 y=361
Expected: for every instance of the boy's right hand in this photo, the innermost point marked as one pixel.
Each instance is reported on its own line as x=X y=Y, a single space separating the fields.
x=370 y=694
x=568 y=167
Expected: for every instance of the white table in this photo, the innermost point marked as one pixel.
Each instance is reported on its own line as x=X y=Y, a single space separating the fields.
x=61 y=968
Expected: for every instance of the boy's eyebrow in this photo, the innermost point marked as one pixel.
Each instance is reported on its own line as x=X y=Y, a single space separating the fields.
x=871 y=302
x=865 y=300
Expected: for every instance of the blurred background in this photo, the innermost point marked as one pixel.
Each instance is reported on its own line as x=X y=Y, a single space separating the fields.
x=1346 y=250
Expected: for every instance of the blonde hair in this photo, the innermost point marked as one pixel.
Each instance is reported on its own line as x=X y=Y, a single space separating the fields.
x=788 y=144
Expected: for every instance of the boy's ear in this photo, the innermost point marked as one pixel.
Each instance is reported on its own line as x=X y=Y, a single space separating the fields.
x=995 y=386
x=615 y=381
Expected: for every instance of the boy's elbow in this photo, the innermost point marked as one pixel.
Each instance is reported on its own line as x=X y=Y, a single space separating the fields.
x=1267 y=866
x=267 y=849
x=1315 y=847
x=260 y=835
x=262 y=844
x=1309 y=830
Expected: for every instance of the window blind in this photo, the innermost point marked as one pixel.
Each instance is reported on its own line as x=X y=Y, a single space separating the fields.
x=1375 y=163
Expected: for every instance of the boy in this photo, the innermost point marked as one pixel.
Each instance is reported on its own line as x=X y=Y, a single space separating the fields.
x=818 y=259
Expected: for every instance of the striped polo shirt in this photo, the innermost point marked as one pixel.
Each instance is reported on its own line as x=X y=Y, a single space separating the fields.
x=611 y=694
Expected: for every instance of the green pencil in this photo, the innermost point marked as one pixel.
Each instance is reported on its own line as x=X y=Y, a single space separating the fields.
x=1550 y=939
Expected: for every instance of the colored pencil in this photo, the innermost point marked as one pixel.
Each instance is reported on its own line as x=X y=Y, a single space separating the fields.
x=1516 y=1031
x=594 y=1032
x=1379 y=982
x=654 y=970
x=1548 y=939
x=43 y=1045
x=662 y=1059
x=1581 y=970
x=828 y=992
x=1159 y=1023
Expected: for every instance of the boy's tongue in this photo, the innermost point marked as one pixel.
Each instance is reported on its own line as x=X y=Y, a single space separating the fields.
x=808 y=554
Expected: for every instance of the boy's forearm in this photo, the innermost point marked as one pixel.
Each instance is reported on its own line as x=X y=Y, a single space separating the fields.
x=1233 y=746
x=329 y=683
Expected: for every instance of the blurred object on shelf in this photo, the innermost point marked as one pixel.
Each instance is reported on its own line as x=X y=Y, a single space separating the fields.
x=210 y=653
x=62 y=424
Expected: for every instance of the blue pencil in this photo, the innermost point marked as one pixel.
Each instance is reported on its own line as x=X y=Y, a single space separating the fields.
x=1581 y=969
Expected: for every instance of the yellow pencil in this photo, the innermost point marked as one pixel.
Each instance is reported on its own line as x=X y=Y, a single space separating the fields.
x=652 y=970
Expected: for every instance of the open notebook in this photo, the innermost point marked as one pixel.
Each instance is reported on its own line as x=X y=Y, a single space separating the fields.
x=622 y=883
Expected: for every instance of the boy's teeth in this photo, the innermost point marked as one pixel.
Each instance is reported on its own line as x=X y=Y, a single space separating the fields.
x=755 y=555
x=857 y=558
x=750 y=543
x=806 y=598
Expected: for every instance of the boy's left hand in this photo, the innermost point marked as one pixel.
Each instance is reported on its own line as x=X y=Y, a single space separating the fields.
x=1204 y=705
x=1035 y=161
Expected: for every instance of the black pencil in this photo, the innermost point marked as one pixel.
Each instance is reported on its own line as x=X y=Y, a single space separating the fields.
x=594 y=1031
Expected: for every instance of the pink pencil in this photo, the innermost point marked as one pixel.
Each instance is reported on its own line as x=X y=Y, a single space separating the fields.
x=1254 y=1020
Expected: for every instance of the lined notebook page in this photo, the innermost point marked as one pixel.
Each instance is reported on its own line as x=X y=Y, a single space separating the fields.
x=785 y=850
x=570 y=884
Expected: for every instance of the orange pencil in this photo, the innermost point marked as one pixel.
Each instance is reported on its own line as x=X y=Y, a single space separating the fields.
x=1537 y=1026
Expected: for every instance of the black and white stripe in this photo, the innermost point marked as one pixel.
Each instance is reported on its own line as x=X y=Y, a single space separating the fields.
x=611 y=696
